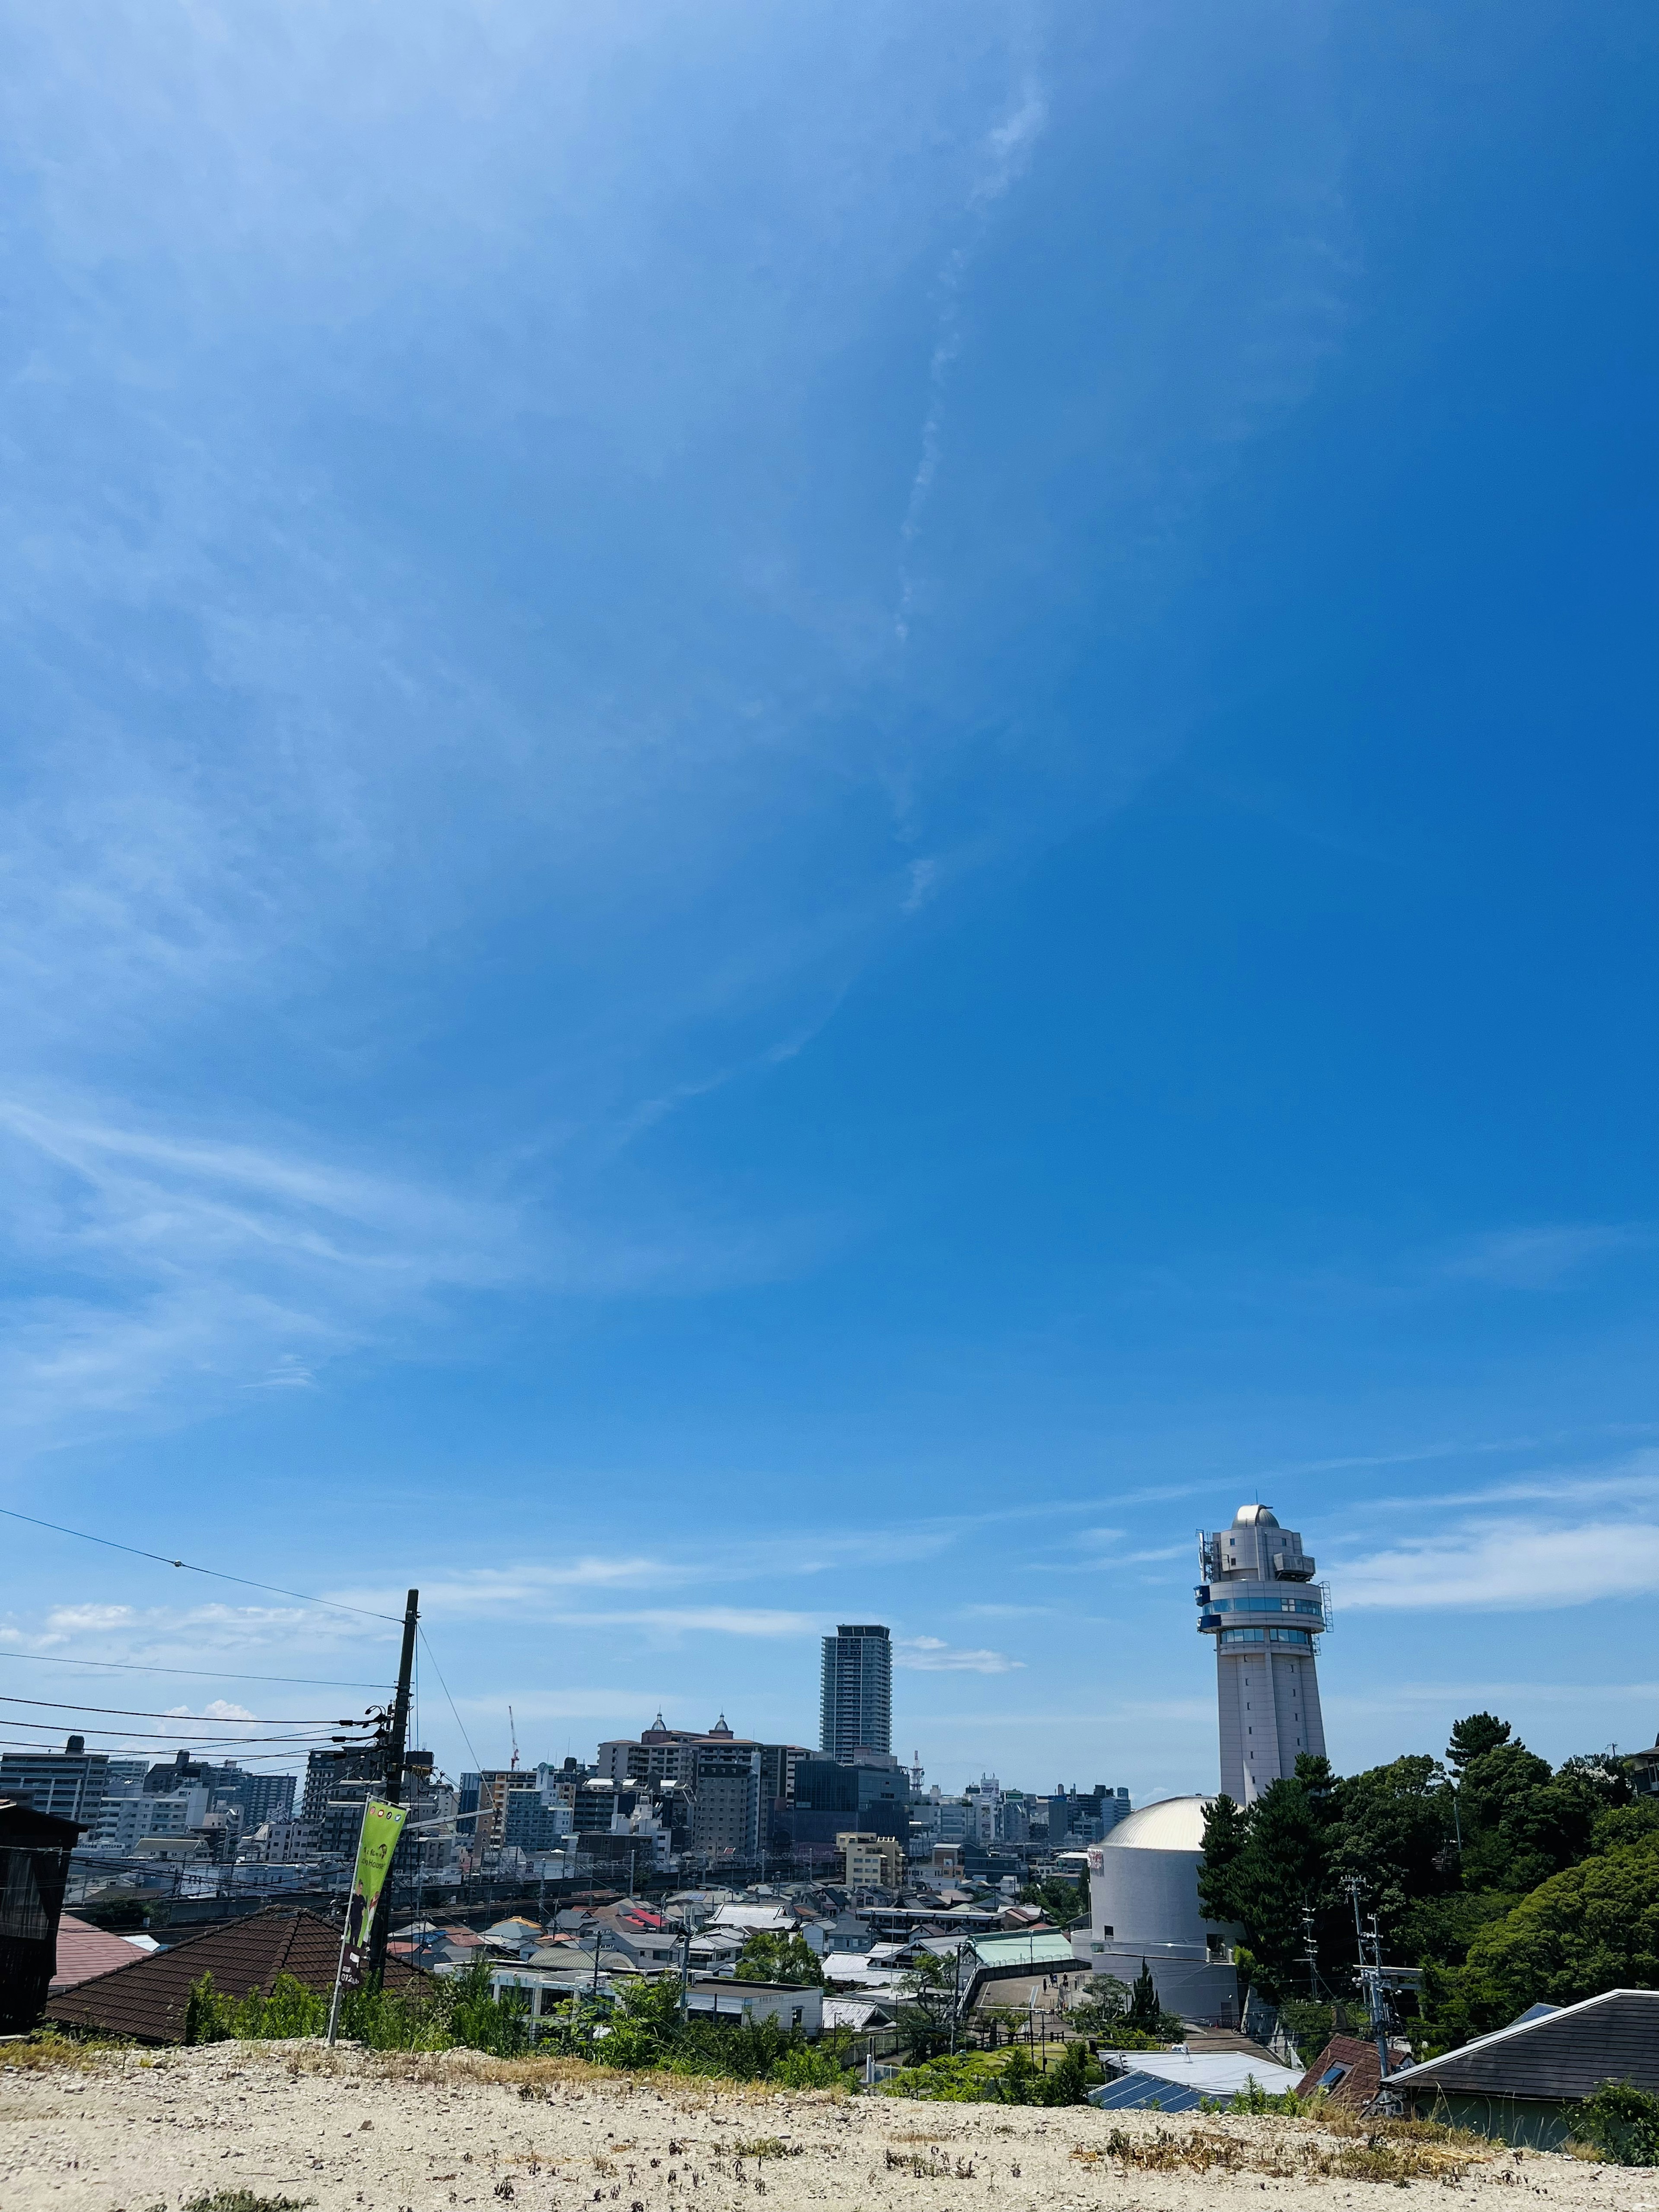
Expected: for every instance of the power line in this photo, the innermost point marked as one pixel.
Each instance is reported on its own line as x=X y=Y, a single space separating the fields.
x=195 y=1674
x=131 y=1713
x=170 y=1735
x=216 y=1574
x=444 y=1687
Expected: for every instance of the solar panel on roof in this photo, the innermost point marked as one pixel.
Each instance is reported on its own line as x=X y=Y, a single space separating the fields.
x=1140 y=2092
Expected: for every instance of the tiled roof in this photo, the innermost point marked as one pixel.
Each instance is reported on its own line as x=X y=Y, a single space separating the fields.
x=1359 y=2081
x=84 y=1951
x=1555 y=2055
x=147 y=1999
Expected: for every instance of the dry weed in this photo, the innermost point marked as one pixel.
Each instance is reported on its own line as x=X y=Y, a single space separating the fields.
x=1399 y=2151
x=68 y=2054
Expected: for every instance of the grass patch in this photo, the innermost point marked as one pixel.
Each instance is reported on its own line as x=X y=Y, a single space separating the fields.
x=45 y=2051
x=245 y=2200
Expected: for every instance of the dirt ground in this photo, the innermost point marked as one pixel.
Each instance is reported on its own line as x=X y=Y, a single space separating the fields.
x=135 y=2134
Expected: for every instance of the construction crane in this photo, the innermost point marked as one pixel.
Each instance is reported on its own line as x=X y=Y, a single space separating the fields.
x=513 y=1731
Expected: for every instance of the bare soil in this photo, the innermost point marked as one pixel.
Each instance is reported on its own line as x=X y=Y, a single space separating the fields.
x=125 y=2132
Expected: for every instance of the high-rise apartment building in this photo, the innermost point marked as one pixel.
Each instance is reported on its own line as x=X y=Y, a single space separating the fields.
x=1259 y=1600
x=68 y=1784
x=855 y=1710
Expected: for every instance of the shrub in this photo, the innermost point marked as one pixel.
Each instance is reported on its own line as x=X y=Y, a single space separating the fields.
x=968 y=2078
x=1621 y=2123
x=1253 y=2098
x=461 y=2009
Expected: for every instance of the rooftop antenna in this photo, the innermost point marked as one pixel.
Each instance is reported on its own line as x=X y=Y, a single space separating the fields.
x=513 y=1731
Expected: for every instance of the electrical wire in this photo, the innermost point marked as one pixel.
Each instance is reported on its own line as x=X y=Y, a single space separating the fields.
x=170 y=1735
x=476 y=1762
x=197 y=1674
x=131 y=1713
x=216 y=1574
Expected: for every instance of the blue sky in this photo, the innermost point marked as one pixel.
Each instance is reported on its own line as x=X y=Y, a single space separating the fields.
x=822 y=813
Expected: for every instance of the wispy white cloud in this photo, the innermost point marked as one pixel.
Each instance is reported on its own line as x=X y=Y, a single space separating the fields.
x=302 y=758
x=931 y=1655
x=1557 y=1488
x=1502 y=1565
x=1537 y=1259
x=703 y=1621
x=187 y=1635
x=226 y=1261
x=607 y=1703
x=1005 y=151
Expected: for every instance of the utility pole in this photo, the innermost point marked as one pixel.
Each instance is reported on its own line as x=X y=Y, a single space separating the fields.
x=1376 y=1981
x=393 y=1784
x=1310 y=1950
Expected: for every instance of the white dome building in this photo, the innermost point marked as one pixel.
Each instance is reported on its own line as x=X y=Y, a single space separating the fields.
x=1143 y=1904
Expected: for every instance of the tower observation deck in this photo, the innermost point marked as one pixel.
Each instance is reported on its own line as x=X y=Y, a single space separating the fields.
x=1259 y=1600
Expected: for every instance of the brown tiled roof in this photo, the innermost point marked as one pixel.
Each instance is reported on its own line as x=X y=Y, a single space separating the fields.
x=147 y=1999
x=84 y=1951
x=1363 y=2079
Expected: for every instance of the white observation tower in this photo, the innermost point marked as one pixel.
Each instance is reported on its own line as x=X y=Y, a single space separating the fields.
x=1259 y=1600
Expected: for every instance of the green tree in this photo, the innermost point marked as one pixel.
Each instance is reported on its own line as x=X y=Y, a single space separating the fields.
x=1392 y=1831
x=1145 y=2019
x=1601 y=1772
x=925 y=2017
x=644 y=2024
x=1438 y=1930
x=1067 y=2081
x=1593 y=1927
x=1226 y=1832
x=1270 y=1864
x=1065 y=1902
x=1145 y=2010
x=1473 y=1737
x=1522 y=1823
x=773 y=1958
x=1625 y=1824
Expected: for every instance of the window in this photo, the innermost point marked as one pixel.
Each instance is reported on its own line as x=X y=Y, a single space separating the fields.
x=1331 y=2077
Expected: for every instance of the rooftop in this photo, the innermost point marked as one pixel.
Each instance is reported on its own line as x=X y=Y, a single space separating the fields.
x=1174 y=1823
x=1554 y=2055
x=146 y=1999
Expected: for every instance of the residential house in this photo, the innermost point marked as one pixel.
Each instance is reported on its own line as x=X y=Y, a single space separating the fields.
x=1523 y=2083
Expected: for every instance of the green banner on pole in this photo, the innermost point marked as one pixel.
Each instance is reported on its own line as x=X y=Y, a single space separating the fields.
x=382 y=1826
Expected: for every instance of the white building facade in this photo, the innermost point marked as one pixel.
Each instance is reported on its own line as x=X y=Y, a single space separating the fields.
x=1144 y=1910
x=1259 y=1600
